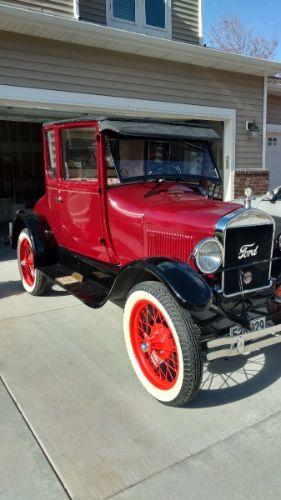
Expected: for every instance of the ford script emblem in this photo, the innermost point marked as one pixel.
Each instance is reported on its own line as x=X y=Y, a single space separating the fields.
x=249 y=250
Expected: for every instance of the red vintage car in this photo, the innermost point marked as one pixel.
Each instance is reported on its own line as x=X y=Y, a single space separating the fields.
x=131 y=214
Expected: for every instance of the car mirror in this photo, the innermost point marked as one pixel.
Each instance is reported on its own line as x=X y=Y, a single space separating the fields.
x=270 y=196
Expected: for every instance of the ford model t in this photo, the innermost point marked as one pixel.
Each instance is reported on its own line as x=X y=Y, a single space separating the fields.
x=131 y=214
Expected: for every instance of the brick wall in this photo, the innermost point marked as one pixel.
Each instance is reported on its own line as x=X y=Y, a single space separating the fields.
x=257 y=180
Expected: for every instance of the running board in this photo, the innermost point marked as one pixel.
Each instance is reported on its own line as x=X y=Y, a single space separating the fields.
x=92 y=291
x=233 y=346
x=87 y=279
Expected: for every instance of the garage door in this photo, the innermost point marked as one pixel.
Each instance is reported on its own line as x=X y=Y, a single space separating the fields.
x=273 y=158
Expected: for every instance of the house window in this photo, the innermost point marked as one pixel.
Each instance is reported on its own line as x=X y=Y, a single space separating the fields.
x=141 y=16
x=155 y=13
x=124 y=9
x=272 y=141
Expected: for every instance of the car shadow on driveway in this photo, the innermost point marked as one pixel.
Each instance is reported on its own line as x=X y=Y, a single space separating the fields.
x=10 y=288
x=7 y=253
x=228 y=380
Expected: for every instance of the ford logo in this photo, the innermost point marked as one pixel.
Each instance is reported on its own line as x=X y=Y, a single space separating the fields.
x=250 y=250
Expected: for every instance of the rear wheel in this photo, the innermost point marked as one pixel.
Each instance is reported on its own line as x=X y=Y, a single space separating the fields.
x=162 y=343
x=33 y=280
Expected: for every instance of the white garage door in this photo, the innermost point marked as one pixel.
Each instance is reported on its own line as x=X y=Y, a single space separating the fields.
x=273 y=158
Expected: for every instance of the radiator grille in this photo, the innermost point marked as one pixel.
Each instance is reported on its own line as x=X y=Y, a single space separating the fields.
x=245 y=247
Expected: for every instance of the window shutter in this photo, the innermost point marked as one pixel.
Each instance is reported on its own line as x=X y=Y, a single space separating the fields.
x=124 y=9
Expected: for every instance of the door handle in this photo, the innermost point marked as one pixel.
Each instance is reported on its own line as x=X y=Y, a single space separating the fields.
x=58 y=199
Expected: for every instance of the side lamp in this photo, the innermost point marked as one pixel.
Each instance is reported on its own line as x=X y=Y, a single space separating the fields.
x=252 y=129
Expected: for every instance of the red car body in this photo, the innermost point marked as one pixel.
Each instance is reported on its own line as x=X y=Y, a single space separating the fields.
x=134 y=218
x=119 y=224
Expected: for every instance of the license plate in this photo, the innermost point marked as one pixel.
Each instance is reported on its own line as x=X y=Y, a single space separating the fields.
x=256 y=324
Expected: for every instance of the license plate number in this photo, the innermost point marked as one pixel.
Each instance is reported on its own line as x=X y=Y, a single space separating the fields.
x=257 y=324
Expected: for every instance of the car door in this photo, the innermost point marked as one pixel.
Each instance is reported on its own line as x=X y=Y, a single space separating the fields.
x=79 y=196
x=51 y=209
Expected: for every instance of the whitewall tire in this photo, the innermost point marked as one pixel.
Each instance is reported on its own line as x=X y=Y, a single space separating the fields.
x=33 y=280
x=162 y=344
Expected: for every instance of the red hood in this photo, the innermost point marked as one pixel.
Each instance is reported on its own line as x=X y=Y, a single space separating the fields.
x=169 y=203
x=137 y=211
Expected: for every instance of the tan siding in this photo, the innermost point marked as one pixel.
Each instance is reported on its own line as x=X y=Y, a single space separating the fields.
x=94 y=11
x=274 y=109
x=185 y=21
x=61 y=7
x=31 y=62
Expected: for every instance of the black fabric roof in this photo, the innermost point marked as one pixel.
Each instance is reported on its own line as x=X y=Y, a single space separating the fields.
x=159 y=130
x=150 y=128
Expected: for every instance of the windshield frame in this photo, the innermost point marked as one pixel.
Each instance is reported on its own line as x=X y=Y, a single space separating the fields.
x=156 y=177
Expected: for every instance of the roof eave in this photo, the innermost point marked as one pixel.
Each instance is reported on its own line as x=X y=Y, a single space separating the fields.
x=70 y=30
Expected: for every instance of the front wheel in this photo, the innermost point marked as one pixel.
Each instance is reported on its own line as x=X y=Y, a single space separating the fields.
x=33 y=280
x=162 y=343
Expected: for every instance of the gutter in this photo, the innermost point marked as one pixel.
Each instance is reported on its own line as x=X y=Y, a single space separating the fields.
x=71 y=30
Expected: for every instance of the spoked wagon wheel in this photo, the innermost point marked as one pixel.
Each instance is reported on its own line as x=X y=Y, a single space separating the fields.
x=33 y=280
x=162 y=343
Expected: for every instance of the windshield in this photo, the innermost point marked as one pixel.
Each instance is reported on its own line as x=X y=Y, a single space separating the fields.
x=131 y=159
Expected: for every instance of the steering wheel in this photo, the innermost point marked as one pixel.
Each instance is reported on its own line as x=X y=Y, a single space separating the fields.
x=166 y=168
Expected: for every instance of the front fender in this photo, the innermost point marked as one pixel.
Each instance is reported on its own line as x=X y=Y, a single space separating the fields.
x=44 y=244
x=186 y=285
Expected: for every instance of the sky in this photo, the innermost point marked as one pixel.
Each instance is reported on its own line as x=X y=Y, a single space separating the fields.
x=263 y=15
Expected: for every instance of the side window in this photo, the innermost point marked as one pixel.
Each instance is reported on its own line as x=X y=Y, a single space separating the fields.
x=52 y=153
x=79 y=153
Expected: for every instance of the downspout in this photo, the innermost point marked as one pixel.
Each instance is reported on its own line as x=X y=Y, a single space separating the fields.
x=264 y=142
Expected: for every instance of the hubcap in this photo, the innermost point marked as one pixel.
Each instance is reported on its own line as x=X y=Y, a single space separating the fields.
x=27 y=262
x=154 y=345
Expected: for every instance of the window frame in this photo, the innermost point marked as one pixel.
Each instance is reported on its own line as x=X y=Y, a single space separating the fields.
x=140 y=25
x=63 y=172
x=73 y=183
x=51 y=175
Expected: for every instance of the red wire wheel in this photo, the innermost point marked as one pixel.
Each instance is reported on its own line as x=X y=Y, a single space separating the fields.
x=33 y=280
x=162 y=343
x=154 y=345
x=27 y=262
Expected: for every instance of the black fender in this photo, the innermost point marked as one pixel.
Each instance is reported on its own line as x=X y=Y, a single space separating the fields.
x=44 y=244
x=186 y=285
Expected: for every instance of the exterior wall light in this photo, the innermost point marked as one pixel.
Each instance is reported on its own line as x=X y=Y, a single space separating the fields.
x=252 y=129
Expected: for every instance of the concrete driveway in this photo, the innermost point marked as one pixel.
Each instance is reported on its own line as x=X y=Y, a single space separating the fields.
x=76 y=423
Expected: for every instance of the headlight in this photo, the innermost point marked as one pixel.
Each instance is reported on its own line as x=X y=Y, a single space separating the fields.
x=208 y=255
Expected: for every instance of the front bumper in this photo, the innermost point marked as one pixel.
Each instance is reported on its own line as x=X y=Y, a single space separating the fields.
x=244 y=343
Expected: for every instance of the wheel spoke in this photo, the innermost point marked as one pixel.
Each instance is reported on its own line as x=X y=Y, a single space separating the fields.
x=154 y=345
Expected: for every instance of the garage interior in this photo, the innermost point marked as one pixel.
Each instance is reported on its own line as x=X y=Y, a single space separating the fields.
x=21 y=161
x=22 y=164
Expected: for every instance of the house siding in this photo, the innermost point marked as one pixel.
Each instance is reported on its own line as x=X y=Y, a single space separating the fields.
x=185 y=21
x=60 y=7
x=185 y=17
x=31 y=62
x=274 y=109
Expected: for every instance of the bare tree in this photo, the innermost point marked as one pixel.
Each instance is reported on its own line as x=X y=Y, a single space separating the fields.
x=231 y=35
